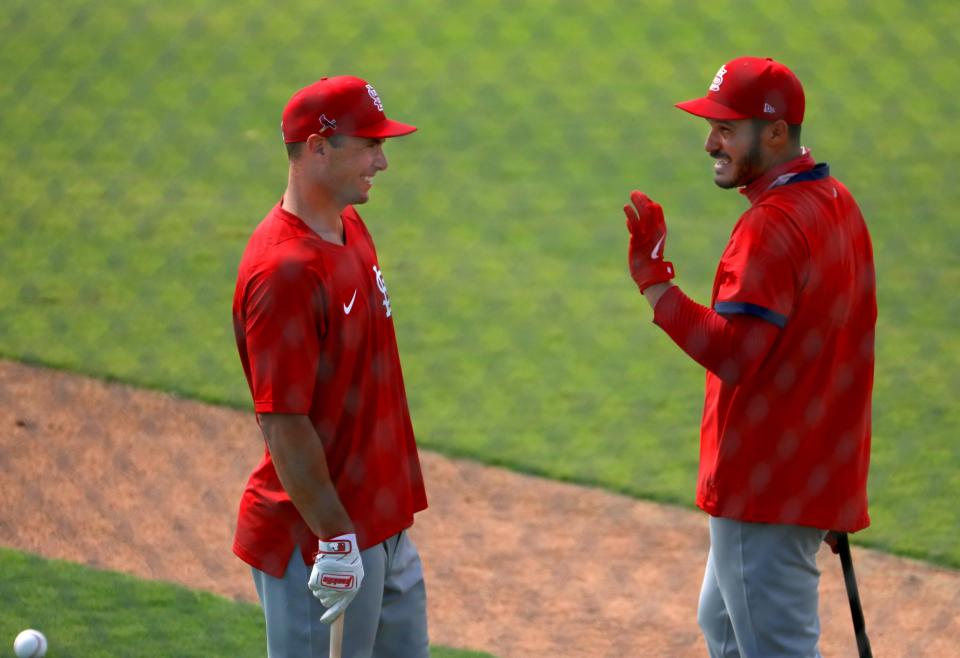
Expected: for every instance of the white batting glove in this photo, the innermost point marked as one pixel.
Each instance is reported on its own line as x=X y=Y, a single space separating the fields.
x=337 y=574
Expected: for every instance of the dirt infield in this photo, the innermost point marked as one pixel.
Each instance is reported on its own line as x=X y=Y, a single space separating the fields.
x=148 y=484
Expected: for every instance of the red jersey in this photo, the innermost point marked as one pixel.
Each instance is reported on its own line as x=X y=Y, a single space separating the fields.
x=314 y=329
x=791 y=443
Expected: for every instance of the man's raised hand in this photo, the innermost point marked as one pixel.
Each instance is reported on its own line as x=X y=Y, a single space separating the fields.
x=648 y=237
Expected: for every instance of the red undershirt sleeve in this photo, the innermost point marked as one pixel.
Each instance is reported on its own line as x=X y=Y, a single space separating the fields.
x=730 y=346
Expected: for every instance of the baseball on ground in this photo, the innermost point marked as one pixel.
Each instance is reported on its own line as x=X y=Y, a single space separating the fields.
x=30 y=644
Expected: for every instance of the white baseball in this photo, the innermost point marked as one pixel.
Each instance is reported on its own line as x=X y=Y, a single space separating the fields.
x=30 y=644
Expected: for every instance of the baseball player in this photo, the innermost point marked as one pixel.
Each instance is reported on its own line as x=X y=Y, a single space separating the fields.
x=788 y=346
x=323 y=518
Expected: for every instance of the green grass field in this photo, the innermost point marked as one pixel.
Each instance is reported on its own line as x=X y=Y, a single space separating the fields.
x=139 y=145
x=99 y=614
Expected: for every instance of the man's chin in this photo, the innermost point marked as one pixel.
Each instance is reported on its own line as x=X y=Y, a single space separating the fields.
x=725 y=182
x=740 y=178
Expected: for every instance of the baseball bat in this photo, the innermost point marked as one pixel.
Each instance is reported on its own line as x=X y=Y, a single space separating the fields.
x=856 y=610
x=336 y=636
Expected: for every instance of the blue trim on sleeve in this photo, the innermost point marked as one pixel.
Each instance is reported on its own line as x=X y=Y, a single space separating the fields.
x=743 y=308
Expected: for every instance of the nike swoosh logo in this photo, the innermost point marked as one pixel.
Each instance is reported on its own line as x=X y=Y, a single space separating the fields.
x=349 y=307
x=655 y=254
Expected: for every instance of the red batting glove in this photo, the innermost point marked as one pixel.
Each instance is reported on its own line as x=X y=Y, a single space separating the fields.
x=648 y=236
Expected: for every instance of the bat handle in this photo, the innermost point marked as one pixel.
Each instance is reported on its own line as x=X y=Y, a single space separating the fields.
x=853 y=594
x=336 y=636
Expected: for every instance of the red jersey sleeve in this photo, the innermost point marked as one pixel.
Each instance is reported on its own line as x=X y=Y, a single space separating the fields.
x=762 y=268
x=731 y=348
x=284 y=323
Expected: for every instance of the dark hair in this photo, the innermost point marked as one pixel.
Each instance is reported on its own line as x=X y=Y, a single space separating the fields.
x=793 y=130
x=294 y=149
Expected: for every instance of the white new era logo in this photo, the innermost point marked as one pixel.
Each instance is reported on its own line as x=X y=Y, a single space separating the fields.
x=769 y=109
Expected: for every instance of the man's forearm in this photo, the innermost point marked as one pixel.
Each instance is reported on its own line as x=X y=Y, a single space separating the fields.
x=301 y=465
x=731 y=347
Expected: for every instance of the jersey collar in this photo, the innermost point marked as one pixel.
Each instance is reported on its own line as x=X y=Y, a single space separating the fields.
x=781 y=175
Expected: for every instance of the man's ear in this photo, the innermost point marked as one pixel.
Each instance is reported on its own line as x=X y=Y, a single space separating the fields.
x=317 y=144
x=778 y=133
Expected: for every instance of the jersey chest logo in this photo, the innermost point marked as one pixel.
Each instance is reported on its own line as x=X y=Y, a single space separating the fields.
x=382 y=286
x=349 y=307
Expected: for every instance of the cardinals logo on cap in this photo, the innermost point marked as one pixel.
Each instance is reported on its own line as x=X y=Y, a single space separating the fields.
x=375 y=97
x=718 y=78
x=328 y=123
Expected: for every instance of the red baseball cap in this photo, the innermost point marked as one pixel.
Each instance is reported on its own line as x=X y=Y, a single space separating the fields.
x=751 y=88
x=341 y=105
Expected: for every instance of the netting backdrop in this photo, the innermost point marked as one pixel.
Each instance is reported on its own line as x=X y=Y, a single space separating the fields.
x=139 y=146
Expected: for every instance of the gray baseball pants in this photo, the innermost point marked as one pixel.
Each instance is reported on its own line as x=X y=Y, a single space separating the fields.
x=759 y=596
x=387 y=619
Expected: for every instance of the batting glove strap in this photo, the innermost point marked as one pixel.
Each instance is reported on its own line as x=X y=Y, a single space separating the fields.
x=648 y=273
x=342 y=545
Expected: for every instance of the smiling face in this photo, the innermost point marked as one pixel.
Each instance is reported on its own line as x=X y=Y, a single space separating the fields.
x=350 y=165
x=738 y=148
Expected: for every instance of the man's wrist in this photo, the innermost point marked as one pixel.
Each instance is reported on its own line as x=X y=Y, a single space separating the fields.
x=653 y=293
x=334 y=528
